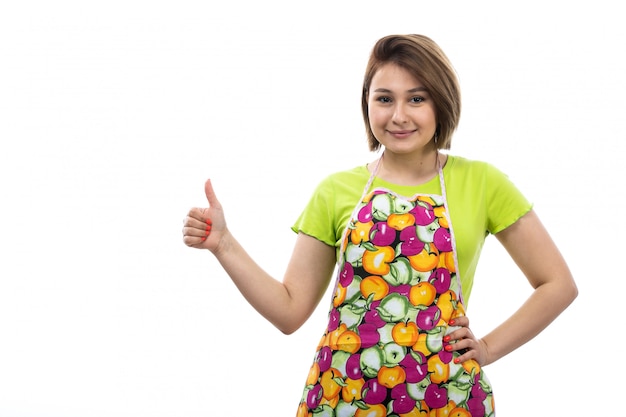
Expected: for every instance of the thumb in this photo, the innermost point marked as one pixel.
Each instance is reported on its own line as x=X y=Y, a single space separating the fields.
x=210 y=194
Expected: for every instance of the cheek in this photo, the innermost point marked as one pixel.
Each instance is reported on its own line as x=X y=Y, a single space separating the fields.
x=377 y=118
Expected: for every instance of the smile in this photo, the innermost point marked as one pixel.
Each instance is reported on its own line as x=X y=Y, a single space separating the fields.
x=401 y=133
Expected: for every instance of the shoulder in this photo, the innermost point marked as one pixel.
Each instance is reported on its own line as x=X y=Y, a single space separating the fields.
x=345 y=179
x=471 y=169
x=355 y=173
x=460 y=163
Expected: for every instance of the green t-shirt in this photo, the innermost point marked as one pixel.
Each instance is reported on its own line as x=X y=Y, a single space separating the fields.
x=481 y=200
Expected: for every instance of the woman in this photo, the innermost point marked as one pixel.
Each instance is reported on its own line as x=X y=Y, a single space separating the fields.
x=405 y=233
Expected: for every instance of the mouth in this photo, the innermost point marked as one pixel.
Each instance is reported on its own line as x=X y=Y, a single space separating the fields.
x=401 y=133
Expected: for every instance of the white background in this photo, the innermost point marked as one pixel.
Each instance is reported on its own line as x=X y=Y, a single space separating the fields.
x=113 y=114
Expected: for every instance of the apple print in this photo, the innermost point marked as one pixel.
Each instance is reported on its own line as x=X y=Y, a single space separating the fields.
x=353 y=291
x=374 y=298
x=324 y=411
x=428 y=318
x=373 y=392
x=458 y=392
x=445 y=356
x=345 y=409
x=476 y=407
x=333 y=319
x=372 y=316
x=354 y=253
x=346 y=275
x=415 y=366
x=369 y=335
x=477 y=389
x=314 y=396
x=340 y=360
x=394 y=353
x=409 y=242
x=427 y=233
x=370 y=361
x=353 y=367
x=381 y=206
x=382 y=234
x=402 y=289
x=401 y=206
x=436 y=396
x=442 y=239
x=393 y=307
x=324 y=358
x=365 y=213
x=400 y=272
x=424 y=213
x=402 y=403
x=434 y=341
x=352 y=314
x=441 y=280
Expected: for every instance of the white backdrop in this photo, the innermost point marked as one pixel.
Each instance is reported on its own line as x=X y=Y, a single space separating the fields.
x=113 y=114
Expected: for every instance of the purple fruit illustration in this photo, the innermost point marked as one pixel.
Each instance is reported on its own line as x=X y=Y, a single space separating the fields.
x=442 y=239
x=382 y=234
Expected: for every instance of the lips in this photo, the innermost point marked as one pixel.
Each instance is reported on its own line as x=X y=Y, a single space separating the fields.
x=401 y=133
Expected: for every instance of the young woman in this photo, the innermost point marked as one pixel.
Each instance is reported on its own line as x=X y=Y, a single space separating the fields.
x=405 y=233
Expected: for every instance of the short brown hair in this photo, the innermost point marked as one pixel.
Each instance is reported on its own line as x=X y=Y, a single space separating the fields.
x=425 y=60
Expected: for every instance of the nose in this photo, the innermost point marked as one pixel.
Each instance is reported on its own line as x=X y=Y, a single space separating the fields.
x=399 y=113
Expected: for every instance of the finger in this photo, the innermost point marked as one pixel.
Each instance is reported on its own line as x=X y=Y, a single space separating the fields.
x=462 y=321
x=210 y=194
x=196 y=218
x=196 y=232
x=193 y=241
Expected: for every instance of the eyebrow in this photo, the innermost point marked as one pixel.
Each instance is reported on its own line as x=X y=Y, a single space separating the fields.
x=412 y=90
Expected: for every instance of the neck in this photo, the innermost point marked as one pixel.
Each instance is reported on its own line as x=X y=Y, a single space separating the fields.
x=410 y=169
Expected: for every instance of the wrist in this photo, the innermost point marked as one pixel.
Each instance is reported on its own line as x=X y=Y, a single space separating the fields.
x=224 y=244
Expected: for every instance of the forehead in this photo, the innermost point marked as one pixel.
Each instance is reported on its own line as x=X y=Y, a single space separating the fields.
x=392 y=76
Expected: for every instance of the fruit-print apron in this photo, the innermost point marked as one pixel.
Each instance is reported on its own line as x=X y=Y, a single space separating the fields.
x=397 y=288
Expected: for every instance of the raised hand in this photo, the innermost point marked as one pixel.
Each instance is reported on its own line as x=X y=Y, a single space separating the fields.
x=204 y=228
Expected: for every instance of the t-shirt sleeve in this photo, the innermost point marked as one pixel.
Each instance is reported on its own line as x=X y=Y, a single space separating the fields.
x=316 y=219
x=506 y=203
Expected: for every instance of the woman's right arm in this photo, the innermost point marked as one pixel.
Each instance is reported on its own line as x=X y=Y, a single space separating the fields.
x=287 y=304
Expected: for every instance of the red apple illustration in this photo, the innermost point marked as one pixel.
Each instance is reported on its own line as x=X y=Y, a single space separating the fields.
x=442 y=239
x=409 y=242
x=372 y=316
x=424 y=213
x=365 y=213
x=415 y=367
x=314 y=396
x=324 y=358
x=373 y=392
x=353 y=366
x=428 y=318
x=333 y=319
x=401 y=403
x=441 y=280
x=346 y=275
x=369 y=335
x=382 y=234
x=436 y=396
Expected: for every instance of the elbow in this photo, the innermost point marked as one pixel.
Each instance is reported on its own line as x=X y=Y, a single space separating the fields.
x=567 y=291
x=288 y=327
x=573 y=292
x=287 y=330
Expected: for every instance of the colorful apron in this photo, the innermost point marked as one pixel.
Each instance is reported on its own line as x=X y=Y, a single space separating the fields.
x=383 y=352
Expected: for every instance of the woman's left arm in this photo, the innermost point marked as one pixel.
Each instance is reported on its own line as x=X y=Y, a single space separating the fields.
x=537 y=256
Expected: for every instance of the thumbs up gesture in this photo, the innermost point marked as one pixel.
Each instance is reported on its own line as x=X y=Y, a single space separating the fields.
x=203 y=228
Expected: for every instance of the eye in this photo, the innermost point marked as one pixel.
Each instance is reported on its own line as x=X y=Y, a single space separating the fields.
x=383 y=99
x=417 y=99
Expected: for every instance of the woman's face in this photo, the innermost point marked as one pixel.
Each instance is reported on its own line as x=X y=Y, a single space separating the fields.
x=401 y=111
